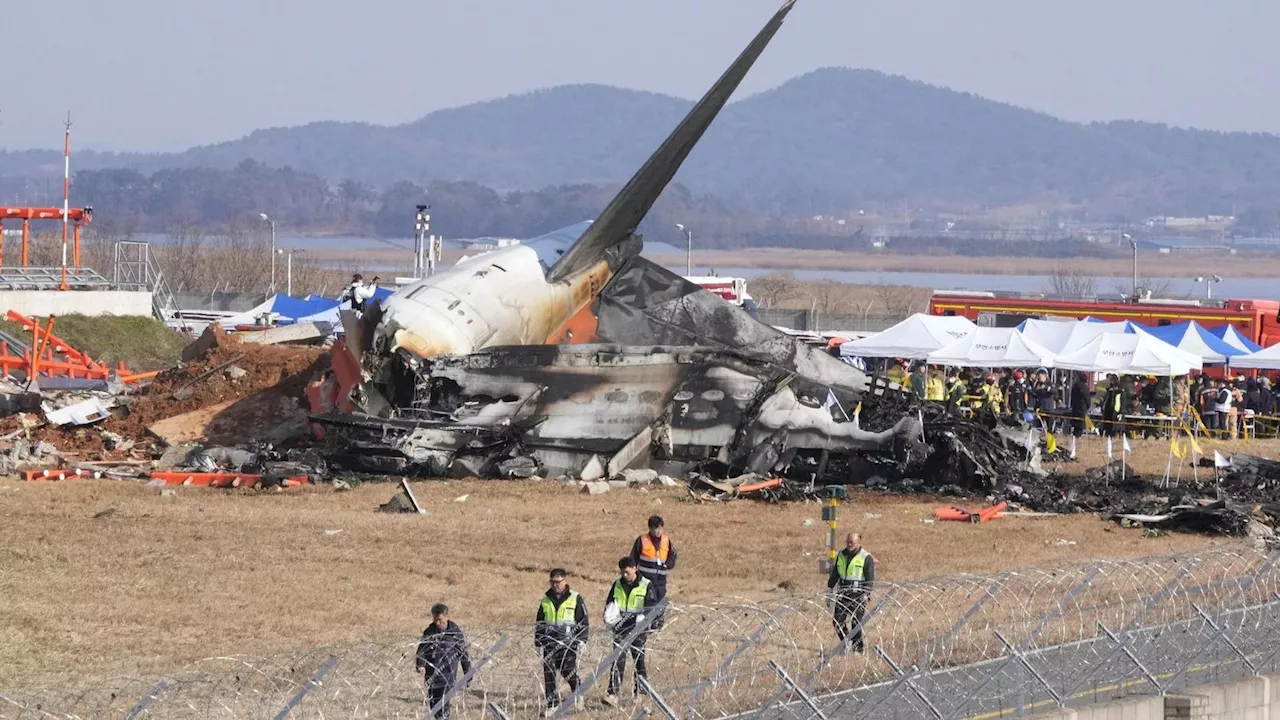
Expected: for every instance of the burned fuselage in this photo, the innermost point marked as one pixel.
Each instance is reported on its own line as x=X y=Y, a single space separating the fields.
x=558 y=406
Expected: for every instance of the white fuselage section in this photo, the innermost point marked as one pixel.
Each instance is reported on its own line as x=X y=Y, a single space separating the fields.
x=501 y=297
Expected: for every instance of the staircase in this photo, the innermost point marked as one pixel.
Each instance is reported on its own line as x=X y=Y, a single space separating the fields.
x=135 y=269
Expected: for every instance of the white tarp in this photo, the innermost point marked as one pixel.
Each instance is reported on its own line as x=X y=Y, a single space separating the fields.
x=915 y=337
x=1265 y=359
x=1129 y=354
x=993 y=347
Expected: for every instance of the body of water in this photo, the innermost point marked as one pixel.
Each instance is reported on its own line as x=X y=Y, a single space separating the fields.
x=1255 y=288
x=1252 y=288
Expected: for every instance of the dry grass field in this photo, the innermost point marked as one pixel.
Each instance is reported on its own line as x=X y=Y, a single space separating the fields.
x=107 y=577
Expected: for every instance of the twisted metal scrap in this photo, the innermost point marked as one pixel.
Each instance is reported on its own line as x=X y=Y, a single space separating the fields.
x=1018 y=643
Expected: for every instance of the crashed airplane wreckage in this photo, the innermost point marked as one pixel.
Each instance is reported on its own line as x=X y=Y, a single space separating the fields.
x=570 y=349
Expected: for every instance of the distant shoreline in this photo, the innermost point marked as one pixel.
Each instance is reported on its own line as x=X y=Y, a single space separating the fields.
x=1244 y=265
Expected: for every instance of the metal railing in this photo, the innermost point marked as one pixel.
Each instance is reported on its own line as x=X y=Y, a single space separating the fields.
x=1012 y=644
x=135 y=269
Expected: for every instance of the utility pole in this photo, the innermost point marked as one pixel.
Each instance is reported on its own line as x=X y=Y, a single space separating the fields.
x=423 y=266
x=1134 y=292
x=688 y=253
x=272 y=223
x=66 y=195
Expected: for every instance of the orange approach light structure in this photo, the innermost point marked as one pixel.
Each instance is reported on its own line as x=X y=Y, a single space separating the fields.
x=78 y=216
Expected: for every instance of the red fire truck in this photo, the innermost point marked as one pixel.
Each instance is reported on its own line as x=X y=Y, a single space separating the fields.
x=1258 y=320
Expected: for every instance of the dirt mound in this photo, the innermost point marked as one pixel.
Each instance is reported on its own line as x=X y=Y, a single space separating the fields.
x=229 y=372
x=211 y=380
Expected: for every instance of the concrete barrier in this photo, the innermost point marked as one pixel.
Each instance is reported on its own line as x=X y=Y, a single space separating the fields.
x=1256 y=698
x=42 y=303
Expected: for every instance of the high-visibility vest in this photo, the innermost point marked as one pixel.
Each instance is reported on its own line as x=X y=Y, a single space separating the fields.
x=563 y=616
x=852 y=571
x=651 y=554
x=933 y=389
x=630 y=603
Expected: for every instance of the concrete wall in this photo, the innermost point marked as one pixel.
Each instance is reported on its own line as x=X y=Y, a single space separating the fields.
x=75 y=302
x=1255 y=698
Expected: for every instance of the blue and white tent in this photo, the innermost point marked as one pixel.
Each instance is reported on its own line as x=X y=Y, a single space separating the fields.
x=289 y=309
x=330 y=314
x=1231 y=336
x=1198 y=341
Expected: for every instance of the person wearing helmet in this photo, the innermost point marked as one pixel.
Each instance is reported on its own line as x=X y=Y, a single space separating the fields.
x=992 y=398
x=1018 y=395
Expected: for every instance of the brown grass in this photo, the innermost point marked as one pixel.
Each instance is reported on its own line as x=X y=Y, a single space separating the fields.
x=161 y=581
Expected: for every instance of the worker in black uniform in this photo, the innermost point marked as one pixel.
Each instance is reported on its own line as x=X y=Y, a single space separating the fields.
x=442 y=648
x=852 y=576
x=631 y=597
x=559 y=631
x=1081 y=399
x=655 y=557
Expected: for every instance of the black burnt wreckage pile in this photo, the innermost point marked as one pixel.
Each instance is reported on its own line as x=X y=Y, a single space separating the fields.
x=964 y=458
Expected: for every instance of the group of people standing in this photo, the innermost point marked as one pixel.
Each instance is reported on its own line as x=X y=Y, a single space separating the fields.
x=633 y=606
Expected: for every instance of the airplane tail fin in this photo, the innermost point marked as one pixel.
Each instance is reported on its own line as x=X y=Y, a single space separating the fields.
x=632 y=203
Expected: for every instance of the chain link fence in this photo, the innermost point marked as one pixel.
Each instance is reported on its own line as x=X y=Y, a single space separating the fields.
x=957 y=647
x=817 y=321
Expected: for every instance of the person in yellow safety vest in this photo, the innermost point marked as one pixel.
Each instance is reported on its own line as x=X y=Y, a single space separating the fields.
x=852 y=576
x=560 y=630
x=956 y=389
x=991 y=396
x=898 y=372
x=626 y=605
x=933 y=389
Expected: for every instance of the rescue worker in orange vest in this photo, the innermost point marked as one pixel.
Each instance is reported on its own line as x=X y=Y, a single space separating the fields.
x=852 y=576
x=655 y=557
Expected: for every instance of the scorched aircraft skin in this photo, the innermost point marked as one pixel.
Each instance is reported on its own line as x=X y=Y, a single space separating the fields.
x=540 y=357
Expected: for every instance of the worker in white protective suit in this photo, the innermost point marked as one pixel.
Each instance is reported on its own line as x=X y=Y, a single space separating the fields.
x=359 y=292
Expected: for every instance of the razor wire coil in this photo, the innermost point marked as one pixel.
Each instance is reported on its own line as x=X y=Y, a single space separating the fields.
x=954 y=647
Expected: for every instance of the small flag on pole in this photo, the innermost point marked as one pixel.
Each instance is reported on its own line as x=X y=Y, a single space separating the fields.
x=1108 y=447
x=1220 y=460
x=1125 y=443
x=1051 y=442
x=1175 y=447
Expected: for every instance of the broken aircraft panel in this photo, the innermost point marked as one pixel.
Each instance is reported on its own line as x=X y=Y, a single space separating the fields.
x=563 y=404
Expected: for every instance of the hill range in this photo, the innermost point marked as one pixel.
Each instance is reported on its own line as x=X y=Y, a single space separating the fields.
x=831 y=140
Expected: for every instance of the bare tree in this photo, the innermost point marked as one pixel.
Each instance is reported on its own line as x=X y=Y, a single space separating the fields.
x=897 y=300
x=1148 y=287
x=774 y=289
x=1072 y=282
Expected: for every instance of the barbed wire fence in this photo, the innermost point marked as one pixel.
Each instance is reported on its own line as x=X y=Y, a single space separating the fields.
x=1013 y=644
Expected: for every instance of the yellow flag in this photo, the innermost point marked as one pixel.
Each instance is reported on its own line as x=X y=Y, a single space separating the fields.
x=1088 y=424
x=1195 y=446
x=1051 y=442
x=1176 y=448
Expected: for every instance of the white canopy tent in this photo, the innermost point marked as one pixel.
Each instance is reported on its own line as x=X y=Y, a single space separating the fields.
x=993 y=347
x=914 y=338
x=1129 y=354
x=1264 y=359
x=1063 y=337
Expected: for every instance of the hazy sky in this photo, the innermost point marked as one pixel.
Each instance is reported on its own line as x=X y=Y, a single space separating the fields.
x=166 y=74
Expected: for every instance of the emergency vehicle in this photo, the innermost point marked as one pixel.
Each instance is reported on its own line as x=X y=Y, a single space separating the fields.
x=1258 y=320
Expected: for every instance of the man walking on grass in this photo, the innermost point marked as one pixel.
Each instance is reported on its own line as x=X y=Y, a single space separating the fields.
x=442 y=648
x=560 y=630
x=852 y=576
